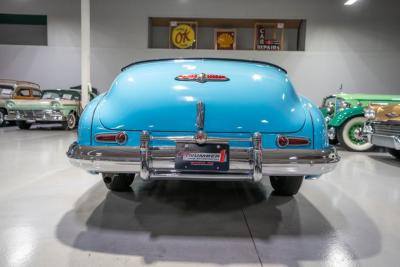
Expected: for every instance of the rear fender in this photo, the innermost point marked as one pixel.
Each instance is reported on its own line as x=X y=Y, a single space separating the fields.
x=320 y=135
x=86 y=122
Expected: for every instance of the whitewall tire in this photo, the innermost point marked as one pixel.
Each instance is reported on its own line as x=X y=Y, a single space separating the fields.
x=350 y=135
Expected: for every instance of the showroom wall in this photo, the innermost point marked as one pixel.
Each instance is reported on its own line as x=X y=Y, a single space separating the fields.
x=357 y=46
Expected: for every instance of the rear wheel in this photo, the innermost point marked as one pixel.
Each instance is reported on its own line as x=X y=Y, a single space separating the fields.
x=351 y=137
x=2 y=114
x=118 y=182
x=23 y=125
x=395 y=153
x=286 y=185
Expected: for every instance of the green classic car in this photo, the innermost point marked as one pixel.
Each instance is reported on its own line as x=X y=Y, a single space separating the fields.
x=344 y=115
x=55 y=106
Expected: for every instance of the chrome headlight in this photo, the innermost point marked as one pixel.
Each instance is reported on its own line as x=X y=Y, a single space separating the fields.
x=343 y=105
x=369 y=113
x=328 y=119
x=10 y=105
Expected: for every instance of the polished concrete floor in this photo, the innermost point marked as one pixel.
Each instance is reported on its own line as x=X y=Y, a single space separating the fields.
x=52 y=214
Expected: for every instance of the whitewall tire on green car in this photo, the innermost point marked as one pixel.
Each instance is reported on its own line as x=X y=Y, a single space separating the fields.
x=350 y=135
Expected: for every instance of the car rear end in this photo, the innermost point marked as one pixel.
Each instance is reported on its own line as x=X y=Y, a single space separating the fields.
x=203 y=120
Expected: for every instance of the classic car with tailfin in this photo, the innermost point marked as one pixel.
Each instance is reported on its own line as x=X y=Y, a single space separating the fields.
x=203 y=119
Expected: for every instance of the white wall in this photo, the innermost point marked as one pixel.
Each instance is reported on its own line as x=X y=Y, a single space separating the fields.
x=358 y=46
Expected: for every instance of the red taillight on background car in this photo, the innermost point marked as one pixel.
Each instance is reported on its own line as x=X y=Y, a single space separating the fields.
x=119 y=138
x=284 y=141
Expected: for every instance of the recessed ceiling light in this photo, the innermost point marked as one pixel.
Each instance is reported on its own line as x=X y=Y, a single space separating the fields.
x=350 y=2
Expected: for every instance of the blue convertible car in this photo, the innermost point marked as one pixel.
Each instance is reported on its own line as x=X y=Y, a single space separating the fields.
x=203 y=119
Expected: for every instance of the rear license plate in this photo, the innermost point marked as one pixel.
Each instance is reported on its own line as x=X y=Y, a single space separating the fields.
x=208 y=157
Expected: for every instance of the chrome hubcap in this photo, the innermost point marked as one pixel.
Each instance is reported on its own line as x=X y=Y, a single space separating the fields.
x=71 y=121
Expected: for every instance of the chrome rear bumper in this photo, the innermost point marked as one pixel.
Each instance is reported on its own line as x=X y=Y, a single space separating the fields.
x=245 y=163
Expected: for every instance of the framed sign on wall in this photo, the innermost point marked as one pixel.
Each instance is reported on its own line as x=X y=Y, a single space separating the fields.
x=225 y=39
x=183 y=34
x=269 y=36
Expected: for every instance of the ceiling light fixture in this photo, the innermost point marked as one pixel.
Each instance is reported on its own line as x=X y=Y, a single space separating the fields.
x=350 y=2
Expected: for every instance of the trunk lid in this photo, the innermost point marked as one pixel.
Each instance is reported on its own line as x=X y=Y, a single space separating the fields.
x=257 y=97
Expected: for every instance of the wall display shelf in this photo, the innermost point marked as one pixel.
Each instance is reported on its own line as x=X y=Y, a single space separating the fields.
x=247 y=34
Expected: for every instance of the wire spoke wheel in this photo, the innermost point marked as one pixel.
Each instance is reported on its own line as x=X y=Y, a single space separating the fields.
x=355 y=134
x=350 y=135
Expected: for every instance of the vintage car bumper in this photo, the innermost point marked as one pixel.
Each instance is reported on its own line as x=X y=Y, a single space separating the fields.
x=250 y=163
x=36 y=116
x=384 y=134
x=385 y=141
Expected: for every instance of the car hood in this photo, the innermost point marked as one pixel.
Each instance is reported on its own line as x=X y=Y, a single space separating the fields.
x=257 y=97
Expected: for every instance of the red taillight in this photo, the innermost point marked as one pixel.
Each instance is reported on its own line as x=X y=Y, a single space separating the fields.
x=119 y=138
x=284 y=141
x=298 y=141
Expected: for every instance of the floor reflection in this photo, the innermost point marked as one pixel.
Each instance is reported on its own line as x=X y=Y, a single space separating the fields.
x=217 y=222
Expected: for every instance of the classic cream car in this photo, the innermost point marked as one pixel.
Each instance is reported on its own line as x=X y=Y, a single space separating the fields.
x=383 y=127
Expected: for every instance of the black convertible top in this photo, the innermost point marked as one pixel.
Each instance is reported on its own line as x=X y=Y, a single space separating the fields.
x=205 y=58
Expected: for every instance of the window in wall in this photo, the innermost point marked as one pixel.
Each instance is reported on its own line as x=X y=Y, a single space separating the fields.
x=240 y=34
x=20 y=29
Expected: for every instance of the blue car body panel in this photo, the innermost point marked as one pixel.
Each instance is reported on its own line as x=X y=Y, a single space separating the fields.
x=257 y=98
x=146 y=96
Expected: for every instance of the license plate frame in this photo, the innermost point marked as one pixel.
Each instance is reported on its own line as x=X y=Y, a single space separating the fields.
x=206 y=157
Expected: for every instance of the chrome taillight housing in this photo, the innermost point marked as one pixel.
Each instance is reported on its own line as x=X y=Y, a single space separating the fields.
x=285 y=141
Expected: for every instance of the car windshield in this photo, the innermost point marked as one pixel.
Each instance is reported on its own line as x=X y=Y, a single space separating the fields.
x=61 y=95
x=51 y=95
x=330 y=101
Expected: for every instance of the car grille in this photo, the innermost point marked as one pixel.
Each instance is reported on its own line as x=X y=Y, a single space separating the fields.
x=31 y=113
x=384 y=128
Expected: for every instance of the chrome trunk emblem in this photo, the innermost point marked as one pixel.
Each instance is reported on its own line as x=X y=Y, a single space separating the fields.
x=202 y=77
